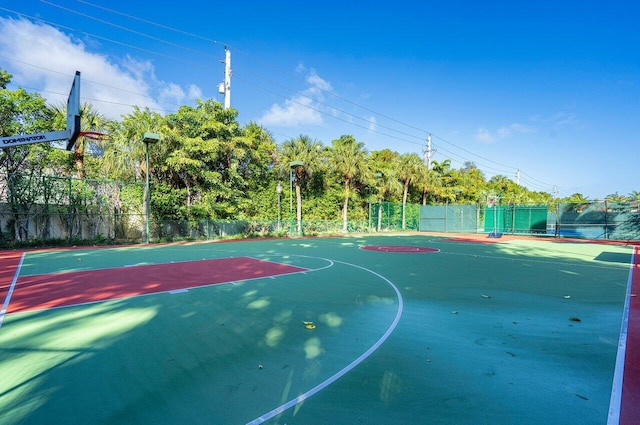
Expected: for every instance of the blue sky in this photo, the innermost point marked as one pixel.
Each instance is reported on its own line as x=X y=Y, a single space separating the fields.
x=550 y=89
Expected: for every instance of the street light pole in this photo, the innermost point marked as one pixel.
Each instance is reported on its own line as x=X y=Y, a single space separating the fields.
x=290 y=201
x=148 y=138
x=369 y=228
x=377 y=175
x=292 y=166
x=279 y=190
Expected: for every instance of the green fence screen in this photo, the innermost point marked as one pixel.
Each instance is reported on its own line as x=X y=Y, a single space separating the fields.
x=516 y=219
x=449 y=218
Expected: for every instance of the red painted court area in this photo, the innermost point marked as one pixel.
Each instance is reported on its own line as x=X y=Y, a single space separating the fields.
x=72 y=288
x=630 y=406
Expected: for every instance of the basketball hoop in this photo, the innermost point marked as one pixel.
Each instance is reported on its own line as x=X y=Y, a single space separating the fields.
x=93 y=135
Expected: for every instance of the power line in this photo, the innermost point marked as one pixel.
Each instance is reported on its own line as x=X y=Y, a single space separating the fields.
x=255 y=74
x=99 y=37
x=316 y=101
x=102 y=21
x=148 y=22
x=83 y=97
x=322 y=89
x=85 y=81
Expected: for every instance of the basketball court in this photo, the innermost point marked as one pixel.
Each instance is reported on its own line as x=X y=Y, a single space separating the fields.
x=375 y=329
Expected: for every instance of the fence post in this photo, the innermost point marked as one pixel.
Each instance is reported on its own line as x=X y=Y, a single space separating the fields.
x=606 y=226
x=70 y=219
x=557 y=230
x=446 y=215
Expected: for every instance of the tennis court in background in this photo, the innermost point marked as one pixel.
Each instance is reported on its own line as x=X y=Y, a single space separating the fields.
x=396 y=329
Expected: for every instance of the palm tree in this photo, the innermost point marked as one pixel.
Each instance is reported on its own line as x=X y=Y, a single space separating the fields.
x=388 y=186
x=308 y=156
x=124 y=155
x=409 y=166
x=615 y=197
x=348 y=158
x=428 y=181
x=90 y=120
x=386 y=180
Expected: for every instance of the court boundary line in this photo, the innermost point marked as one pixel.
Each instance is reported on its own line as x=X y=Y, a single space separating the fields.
x=615 y=403
x=362 y=357
x=305 y=269
x=7 y=298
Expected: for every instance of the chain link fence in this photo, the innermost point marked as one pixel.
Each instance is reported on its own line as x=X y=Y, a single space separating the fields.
x=593 y=220
x=48 y=208
x=67 y=210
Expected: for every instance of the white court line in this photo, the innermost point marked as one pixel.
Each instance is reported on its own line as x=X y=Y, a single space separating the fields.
x=303 y=269
x=618 y=375
x=7 y=299
x=350 y=366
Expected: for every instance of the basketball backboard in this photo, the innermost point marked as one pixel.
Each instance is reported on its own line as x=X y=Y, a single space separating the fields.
x=70 y=134
x=73 y=112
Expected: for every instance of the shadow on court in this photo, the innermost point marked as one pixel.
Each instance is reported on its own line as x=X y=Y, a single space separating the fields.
x=516 y=332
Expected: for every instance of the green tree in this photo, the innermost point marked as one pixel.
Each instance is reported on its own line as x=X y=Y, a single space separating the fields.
x=124 y=156
x=473 y=184
x=429 y=182
x=257 y=168
x=615 y=197
x=211 y=160
x=387 y=184
x=90 y=121
x=348 y=158
x=442 y=191
x=311 y=153
x=409 y=167
x=22 y=113
x=576 y=198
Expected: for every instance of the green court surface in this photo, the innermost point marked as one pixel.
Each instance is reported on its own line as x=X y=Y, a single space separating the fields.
x=513 y=332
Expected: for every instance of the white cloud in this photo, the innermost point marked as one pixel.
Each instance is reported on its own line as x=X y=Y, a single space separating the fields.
x=194 y=92
x=373 y=124
x=304 y=108
x=296 y=111
x=507 y=131
x=485 y=136
x=564 y=118
x=317 y=84
x=45 y=59
x=172 y=93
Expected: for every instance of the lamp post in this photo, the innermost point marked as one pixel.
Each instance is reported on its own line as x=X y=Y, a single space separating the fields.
x=147 y=139
x=377 y=176
x=292 y=166
x=279 y=190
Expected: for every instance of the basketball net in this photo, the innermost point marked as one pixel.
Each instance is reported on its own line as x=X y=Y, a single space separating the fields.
x=93 y=135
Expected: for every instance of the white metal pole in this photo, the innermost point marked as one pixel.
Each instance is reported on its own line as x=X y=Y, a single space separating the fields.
x=227 y=79
x=429 y=152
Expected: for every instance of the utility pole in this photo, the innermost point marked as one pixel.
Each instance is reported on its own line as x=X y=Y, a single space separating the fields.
x=225 y=87
x=428 y=153
x=518 y=177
